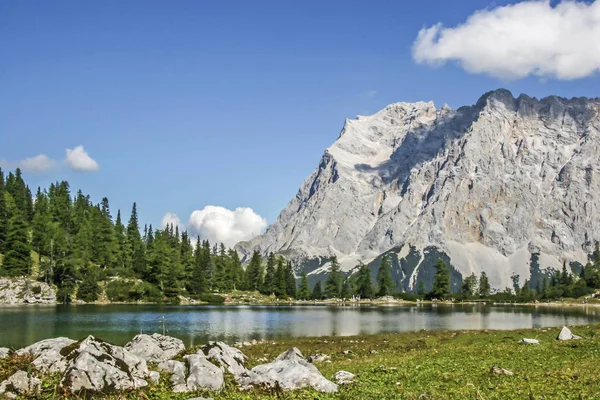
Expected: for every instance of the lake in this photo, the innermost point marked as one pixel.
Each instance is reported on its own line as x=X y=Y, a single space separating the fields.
x=23 y=325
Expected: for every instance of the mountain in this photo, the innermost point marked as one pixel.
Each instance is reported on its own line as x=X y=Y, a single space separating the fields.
x=506 y=186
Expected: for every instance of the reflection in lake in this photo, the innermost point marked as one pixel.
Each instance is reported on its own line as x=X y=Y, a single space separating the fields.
x=23 y=325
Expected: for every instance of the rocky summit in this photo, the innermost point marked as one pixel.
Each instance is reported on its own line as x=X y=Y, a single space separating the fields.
x=508 y=186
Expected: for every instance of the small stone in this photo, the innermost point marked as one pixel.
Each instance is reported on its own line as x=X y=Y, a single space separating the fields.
x=374 y=352
x=343 y=377
x=4 y=352
x=500 y=371
x=347 y=352
x=317 y=358
x=529 y=341
x=22 y=384
x=566 y=334
x=155 y=347
x=153 y=377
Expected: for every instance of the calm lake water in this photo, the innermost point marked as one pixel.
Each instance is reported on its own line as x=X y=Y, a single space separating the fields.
x=23 y=325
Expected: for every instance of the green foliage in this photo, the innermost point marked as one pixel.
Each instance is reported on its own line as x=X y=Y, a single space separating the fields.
x=385 y=284
x=3 y=213
x=333 y=285
x=17 y=259
x=303 y=289
x=89 y=289
x=269 y=284
x=317 y=292
x=364 y=286
x=469 y=286
x=441 y=281
x=484 y=288
x=254 y=272
x=347 y=291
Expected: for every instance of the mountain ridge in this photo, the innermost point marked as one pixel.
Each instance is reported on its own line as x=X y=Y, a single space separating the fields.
x=470 y=183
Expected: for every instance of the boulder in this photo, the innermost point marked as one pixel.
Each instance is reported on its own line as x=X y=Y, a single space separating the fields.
x=42 y=346
x=290 y=371
x=343 y=377
x=500 y=371
x=21 y=383
x=50 y=361
x=203 y=374
x=97 y=366
x=155 y=347
x=230 y=358
x=177 y=370
x=199 y=374
x=4 y=352
x=200 y=398
x=566 y=334
x=529 y=341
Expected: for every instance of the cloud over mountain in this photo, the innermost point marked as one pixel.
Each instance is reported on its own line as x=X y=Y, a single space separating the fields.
x=516 y=41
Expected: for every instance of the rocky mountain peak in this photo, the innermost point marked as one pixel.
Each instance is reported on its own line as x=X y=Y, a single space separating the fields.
x=506 y=186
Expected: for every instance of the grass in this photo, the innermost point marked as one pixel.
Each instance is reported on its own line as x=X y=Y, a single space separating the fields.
x=428 y=365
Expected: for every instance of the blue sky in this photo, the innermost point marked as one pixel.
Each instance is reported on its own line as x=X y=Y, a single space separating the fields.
x=231 y=103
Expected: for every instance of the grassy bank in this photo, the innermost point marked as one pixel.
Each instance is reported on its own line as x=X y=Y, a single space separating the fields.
x=428 y=365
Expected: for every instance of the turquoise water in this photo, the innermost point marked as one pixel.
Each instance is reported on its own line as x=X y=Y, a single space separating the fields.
x=23 y=325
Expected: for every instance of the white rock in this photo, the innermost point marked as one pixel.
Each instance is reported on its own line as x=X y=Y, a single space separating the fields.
x=155 y=347
x=4 y=352
x=42 y=346
x=291 y=371
x=318 y=358
x=178 y=372
x=566 y=334
x=500 y=371
x=529 y=341
x=202 y=374
x=22 y=384
x=343 y=377
x=230 y=358
x=98 y=366
x=15 y=291
x=489 y=185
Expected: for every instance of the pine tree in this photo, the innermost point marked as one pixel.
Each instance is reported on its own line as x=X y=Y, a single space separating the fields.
x=254 y=274
x=290 y=280
x=385 y=283
x=364 y=285
x=198 y=283
x=280 y=282
x=441 y=281
x=40 y=225
x=421 y=287
x=303 y=290
x=484 y=285
x=469 y=286
x=89 y=289
x=317 y=292
x=135 y=258
x=3 y=214
x=269 y=282
x=17 y=259
x=333 y=285
x=346 y=290
x=237 y=272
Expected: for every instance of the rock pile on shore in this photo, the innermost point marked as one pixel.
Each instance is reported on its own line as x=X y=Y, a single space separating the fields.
x=92 y=366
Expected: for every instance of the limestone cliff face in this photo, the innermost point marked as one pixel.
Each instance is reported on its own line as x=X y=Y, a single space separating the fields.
x=506 y=186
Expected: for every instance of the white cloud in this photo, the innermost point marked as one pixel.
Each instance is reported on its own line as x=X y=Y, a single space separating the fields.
x=38 y=164
x=515 y=41
x=170 y=218
x=371 y=93
x=221 y=225
x=79 y=160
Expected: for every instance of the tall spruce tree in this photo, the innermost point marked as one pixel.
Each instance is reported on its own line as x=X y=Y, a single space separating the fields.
x=333 y=285
x=17 y=259
x=441 y=281
x=3 y=214
x=135 y=248
x=120 y=245
x=347 y=291
x=290 y=280
x=280 y=282
x=469 y=286
x=385 y=284
x=364 y=284
x=254 y=273
x=484 y=285
x=317 y=292
x=303 y=290
x=269 y=284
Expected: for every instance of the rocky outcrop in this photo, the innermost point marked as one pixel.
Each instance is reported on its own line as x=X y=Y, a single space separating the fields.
x=529 y=341
x=97 y=366
x=506 y=186
x=155 y=347
x=4 y=352
x=344 y=377
x=25 y=291
x=92 y=366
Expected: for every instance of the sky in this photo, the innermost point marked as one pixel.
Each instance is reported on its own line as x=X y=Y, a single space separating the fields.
x=211 y=114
